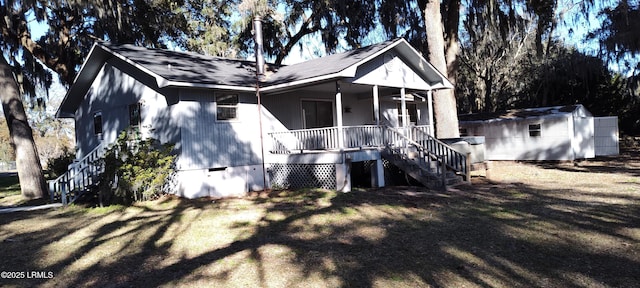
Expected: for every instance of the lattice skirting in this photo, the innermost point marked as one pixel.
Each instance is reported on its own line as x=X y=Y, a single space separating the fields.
x=295 y=176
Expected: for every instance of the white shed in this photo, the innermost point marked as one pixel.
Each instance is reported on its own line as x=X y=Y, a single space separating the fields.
x=548 y=133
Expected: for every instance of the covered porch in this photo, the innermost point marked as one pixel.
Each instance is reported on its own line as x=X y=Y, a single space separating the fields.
x=325 y=156
x=371 y=104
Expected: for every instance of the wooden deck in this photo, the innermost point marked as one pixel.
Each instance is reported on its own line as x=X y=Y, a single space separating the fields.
x=368 y=142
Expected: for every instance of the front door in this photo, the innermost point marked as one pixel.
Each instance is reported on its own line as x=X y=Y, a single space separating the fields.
x=317 y=113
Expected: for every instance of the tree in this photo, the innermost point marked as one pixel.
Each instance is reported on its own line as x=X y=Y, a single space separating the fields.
x=73 y=27
x=444 y=101
x=334 y=20
x=30 y=173
x=508 y=47
x=7 y=154
x=209 y=27
x=618 y=34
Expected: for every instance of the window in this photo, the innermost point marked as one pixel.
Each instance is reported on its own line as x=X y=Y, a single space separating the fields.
x=134 y=114
x=535 y=130
x=97 y=123
x=463 y=132
x=412 y=113
x=226 y=106
x=316 y=114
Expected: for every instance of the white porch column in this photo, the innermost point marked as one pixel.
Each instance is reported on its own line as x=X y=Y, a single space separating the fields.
x=430 y=107
x=403 y=106
x=343 y=170
x=376 y=105
x=339 y=115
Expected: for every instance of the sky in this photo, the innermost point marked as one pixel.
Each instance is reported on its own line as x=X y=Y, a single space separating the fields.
x=572 y=32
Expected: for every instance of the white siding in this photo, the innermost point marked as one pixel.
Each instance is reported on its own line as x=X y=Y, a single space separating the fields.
x=232 y=181
x=510 y=140
x=582 y=140
x=221 y=158
x=111 y=94
x=390 y=71
x=210 y=143
x=606 y=136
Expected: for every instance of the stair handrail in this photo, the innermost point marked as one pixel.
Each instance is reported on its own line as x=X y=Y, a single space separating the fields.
x=425 y=156
x=454 y=160
x=405 y=138
x=79 y=175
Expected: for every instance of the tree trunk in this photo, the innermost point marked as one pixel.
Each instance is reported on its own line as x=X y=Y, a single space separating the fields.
x=452 y=48
x=30 y=172
x=444 y=101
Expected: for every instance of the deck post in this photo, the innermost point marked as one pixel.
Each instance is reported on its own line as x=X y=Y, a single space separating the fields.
x=403 y=107
x=339 y=116
x=376 y=105
x=430 y=108
x=377 y=174
x=343 y=175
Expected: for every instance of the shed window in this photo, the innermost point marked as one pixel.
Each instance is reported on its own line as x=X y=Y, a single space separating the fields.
x=134 y=114
x=535 y=130
x=226 y=106
x=97 y=123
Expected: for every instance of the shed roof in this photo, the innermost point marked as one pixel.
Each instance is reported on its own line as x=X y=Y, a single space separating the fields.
x=527 y=113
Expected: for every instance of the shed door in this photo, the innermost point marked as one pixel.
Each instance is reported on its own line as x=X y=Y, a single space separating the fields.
x=316 y=114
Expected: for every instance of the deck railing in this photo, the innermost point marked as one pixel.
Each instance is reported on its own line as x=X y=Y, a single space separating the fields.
x=292 y=141
x=453 y=159
x=362 y=136
x=80 y=176
x=398 y=143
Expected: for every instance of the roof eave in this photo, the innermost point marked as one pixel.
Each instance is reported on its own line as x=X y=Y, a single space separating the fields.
x=206 y=85
x=442 y=83
x=305 y=82
x=72 y=88
x=160 y=81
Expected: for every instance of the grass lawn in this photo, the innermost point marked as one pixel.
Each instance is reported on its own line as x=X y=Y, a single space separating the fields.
x=528 y=225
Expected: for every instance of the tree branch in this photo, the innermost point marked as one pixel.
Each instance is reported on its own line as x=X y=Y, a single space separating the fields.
x=304 y=30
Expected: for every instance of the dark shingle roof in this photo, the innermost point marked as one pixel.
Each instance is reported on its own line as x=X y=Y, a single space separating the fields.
x=189 y=67
x=183 y=69
x=196 y=68
x=326 y=65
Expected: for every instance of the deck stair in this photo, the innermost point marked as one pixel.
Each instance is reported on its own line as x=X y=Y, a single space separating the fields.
x=82 y=176
x=426 y=159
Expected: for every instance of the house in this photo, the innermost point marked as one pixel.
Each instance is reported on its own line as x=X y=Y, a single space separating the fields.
x=303 y=125
x=549 y=133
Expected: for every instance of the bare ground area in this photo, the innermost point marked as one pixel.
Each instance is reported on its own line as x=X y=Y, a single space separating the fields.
x=528 y=225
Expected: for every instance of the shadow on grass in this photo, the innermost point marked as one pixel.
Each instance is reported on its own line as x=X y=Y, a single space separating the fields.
x=489 y=235
x=628 y=162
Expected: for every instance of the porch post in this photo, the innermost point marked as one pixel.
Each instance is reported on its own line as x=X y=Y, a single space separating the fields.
x=376 y=105
x=403 y=106
x=430 y=107
x=339 y=116
x=343 y=170
x=377 y=174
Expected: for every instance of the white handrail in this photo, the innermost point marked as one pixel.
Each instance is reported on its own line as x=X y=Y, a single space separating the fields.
x=79 y=176
x=362 y=136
